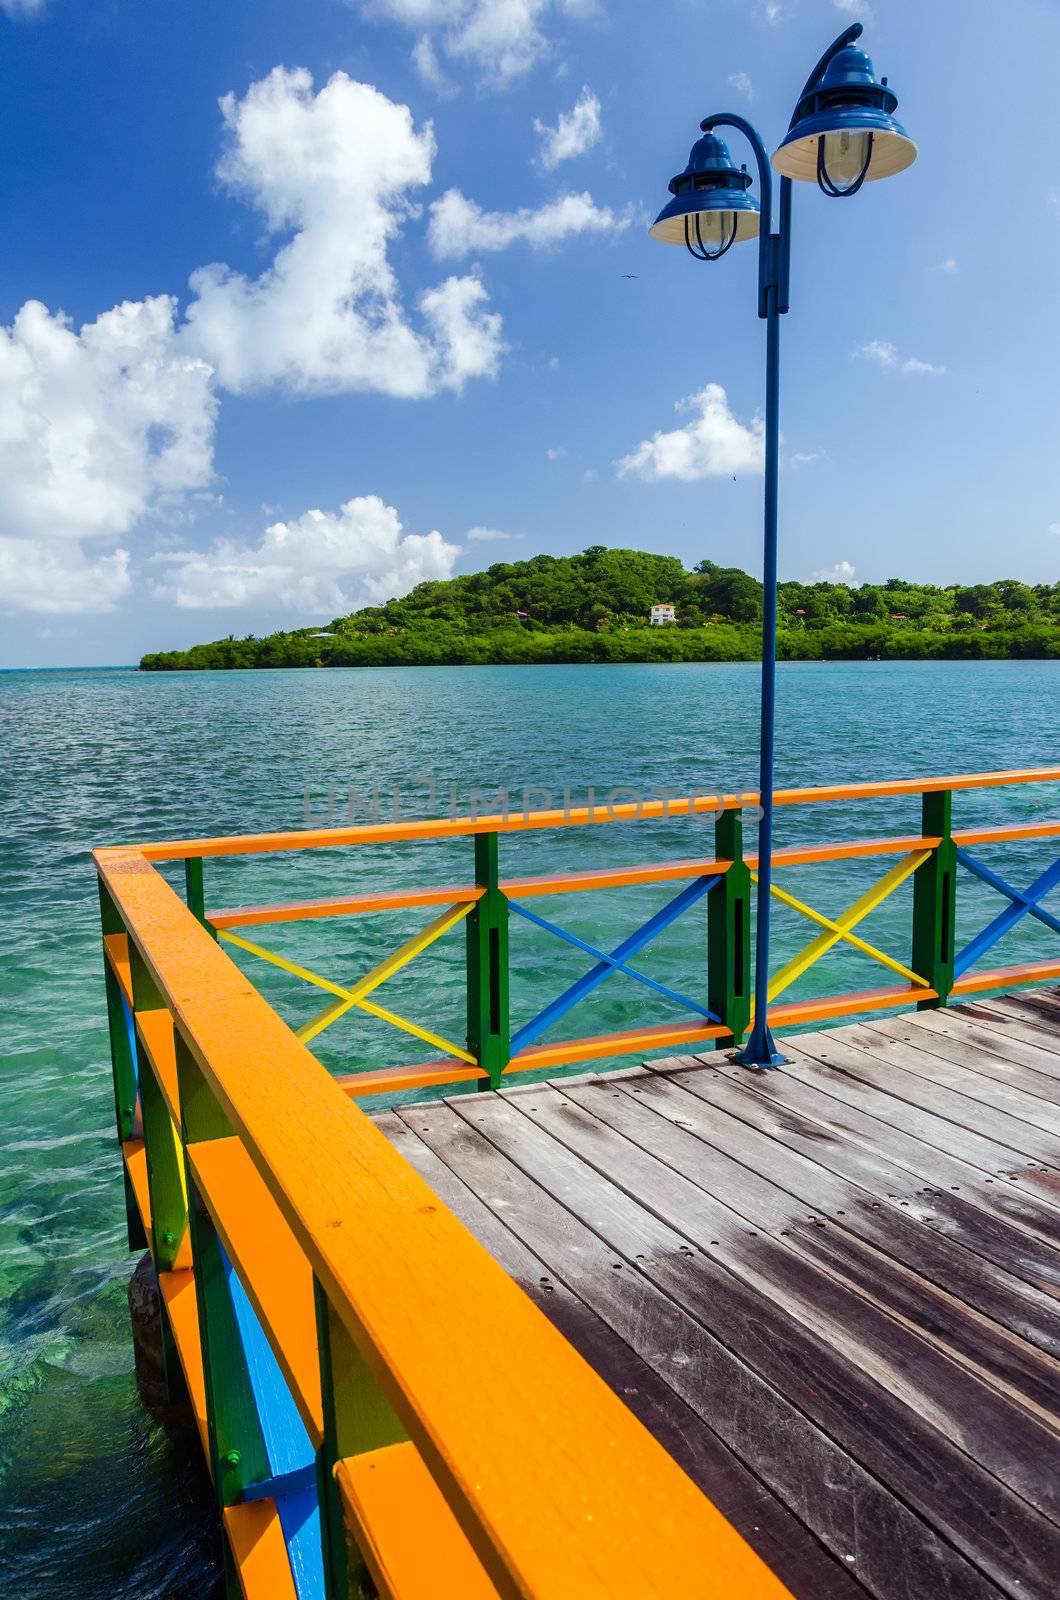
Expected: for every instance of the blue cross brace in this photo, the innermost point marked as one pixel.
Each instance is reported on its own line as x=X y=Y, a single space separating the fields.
x=293 y=1479
x=615 y=962
x=1023 y=902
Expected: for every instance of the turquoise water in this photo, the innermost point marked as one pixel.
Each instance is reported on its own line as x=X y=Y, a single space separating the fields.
x=95 y=1500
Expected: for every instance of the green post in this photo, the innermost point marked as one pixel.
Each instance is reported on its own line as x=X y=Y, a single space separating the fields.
x=165 y=1173
x=729 y=931
x=195 y=892
x=488 y=1027
x=165 y=1170
x=934 y=901
x=238 y=1452
x=357 y=1417
x=123 y=1067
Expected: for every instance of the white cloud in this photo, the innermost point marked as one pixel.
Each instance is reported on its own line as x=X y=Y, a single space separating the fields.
x=712 y=444
x=803 y=458
x=556 y=452
x=877 y=350
x=741 y=82
x=774 y=11
x=842 y=572
x=106 y=425
x=948 y=266
x=21 y=8
x=97 y=425
x=855 y=8
x=502 y=38
x=425 y=60
x=484 y=535
x=335 y=167
x=55 y=577
x=321 y=561
x=1054 y=527
x=576 y=132
x=886 y=355
x=459 y=227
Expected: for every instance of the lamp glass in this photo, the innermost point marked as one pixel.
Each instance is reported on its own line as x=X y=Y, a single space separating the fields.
x=715 y=227
x=845 y=155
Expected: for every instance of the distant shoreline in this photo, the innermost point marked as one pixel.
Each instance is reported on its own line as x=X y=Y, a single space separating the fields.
x=717 y=644
x=611 y=606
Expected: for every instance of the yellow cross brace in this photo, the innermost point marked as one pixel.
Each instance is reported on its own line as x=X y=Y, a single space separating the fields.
x=355 y=994
x=841 y=927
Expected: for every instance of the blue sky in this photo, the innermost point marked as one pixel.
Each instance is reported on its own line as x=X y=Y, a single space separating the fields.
x=375 y=321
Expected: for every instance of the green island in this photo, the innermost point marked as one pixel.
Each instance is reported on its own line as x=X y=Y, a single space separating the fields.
x=596 y=607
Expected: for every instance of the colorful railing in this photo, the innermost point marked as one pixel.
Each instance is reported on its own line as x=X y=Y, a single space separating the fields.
x=330 y=1320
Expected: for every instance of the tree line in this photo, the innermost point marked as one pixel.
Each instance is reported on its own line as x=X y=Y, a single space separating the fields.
x=594 y=607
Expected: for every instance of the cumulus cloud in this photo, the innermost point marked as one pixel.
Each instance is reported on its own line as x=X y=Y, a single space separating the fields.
x=21 y=8
x=712 y=444
x=335 y=170
x=1054 y=527
x=741 y=82
x=98 y=425
x=576 y=132
x=503 y=39
x=53 y=577
x=556 y=452
x=949 y=266
x=320 y=562
x=103 y=426
x=459 y=227
x=886 y=355
x=842 y=572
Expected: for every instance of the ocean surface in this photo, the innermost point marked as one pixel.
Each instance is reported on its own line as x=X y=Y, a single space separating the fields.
x=95 y=1499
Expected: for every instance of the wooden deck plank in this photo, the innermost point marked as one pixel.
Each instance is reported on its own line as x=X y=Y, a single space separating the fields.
x=971 y=1047
x=626 y=1285
x=859 y=1055
x=788 y=1547
x=993 y=1092
x=703 y=1103
x=848 y=1074
x=1025 y=1261
x=1016 y=1018
x=855 y=1112
x=648 y=1158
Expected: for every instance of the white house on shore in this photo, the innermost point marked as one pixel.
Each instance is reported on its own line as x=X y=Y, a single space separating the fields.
x=661 y=615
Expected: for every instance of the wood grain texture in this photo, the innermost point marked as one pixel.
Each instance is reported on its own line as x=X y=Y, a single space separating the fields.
x=694 y=1329
x=839 y=1281
x=784 y=1543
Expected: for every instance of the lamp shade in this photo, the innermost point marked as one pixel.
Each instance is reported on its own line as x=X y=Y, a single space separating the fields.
x=844 y=132
x=711 y=207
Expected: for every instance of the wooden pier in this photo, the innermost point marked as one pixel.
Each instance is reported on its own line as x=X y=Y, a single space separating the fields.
x=684 y=1329
x=830 y=1291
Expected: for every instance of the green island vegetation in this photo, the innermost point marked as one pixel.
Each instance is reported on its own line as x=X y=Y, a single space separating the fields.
x=595 y=607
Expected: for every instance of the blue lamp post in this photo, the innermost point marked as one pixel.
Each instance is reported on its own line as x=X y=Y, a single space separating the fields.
x=842 y=135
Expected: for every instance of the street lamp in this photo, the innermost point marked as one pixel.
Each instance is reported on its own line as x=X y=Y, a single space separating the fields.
x=843 y=134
